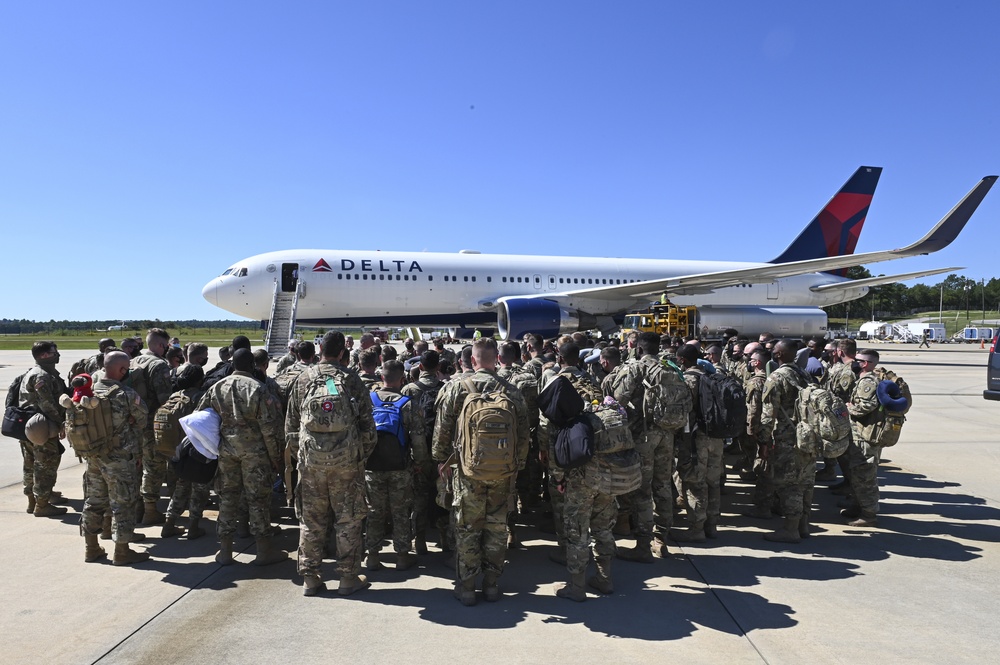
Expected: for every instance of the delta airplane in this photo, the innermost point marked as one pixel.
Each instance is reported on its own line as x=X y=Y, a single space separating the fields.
x=550 y=295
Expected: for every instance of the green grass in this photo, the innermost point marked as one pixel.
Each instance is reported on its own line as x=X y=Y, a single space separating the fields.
x=88 y=340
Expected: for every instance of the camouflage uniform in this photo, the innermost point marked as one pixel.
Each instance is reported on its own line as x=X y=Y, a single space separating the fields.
x=91 y=365
x=285 y=381
x=390 y=493
x=760 y=437
x=863 y=455
x=840 y=380
x=249 y=450
x=529 y=479
x=285 y=362
x=370 y=381
x=480 y=507
x=699 y=464
x=794 y=472
x=652 y=505
x=111 y=481
x=583 y=384
x=187 y=495
x=149 y=375
x=534 y=367
x=425 y=477
x=337 y=488
x=41 y=387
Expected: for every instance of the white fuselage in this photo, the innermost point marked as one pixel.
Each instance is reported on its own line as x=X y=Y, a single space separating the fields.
x=341 y=287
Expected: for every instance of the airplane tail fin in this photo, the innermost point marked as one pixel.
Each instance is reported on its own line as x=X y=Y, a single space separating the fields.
x=837 y=227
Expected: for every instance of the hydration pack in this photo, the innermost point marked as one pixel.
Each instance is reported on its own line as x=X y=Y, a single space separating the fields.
x=667 y=401
x=822 y=423
x=722 y=405
x=392 y=449
x=327 y=435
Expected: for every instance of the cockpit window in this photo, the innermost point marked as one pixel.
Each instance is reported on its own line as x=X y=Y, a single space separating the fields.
x=242 y=272
x=228 y=270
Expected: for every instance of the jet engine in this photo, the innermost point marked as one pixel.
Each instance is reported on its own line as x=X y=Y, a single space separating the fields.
x=517 y=316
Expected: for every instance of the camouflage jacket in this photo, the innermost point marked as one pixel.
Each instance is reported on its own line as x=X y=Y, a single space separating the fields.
x=128 y=414
x=781 y=389
x=841 y=381
x=754 y=387
x=413 y=424
x=251 y=417
x=528 y=385
x=863 y=402
x=285 y=362
x=629 y=390
x=40 y=389
x=356 y=392
x=534 y=367
x=149 y=375
x=449 y=406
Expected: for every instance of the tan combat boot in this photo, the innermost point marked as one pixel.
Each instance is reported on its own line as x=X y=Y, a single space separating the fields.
x=405 y=560
x=491 y=590
x=267 y=553
x=31 y=503
x=788 y=533
x=574 y=588
x=465 y=592
x=125 y=556
x=312 y=585
x=45 y=509
x=602 y=580
x=693 y=534
x=150 y=515
x=170 y=528
x=225 y=555
x=94 y=550
x=194 y=530
x=641 y=553
x=351 y=584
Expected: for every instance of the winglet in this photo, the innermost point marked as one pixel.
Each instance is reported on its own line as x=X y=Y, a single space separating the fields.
x=837 y=227
x=945 y=231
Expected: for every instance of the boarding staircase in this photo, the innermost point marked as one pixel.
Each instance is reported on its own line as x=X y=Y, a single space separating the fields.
x=902 y=333
x=281 y=324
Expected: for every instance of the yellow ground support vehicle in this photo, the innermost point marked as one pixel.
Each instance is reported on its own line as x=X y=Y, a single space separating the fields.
x=661 y=319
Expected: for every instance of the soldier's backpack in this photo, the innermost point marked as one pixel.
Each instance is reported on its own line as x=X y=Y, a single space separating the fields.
x=667 y=401
x=822 y=422
x=426 y=402
x=327 y=417
x=722 y=405
x=883 y=427
x=392 y=449
x=487 y=435
x=565 y=402
x=286 y=379
x=90 y=431
x=611 y=432
x=574 y=444
x=166 y=423
x=14 y=417
x=138 y=379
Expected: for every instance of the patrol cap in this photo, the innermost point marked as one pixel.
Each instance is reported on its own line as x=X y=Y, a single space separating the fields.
x=189 y=375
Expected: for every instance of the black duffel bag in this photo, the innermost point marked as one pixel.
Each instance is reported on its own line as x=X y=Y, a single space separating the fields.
x=191 y=465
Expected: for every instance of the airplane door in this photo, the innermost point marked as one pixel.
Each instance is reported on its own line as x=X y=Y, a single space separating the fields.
x=772 y=290
x=537 y=279
x=289 y=277
x=552 y=282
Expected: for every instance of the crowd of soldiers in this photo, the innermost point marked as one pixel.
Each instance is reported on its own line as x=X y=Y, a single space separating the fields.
x=310 y=432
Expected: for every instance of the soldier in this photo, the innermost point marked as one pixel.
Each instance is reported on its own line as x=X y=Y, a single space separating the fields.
x=367 y=342
x=96 y=361
x=535 y=348
x=149 y=375
x=306 y=353
x=699 y=461
x=653 y=503
x=249 y=455
x=423 y=392
x=445 y=353
x=863 y=452
x=569 y=354
x=794 y=471
x=367 y=364
x=611 y=362
x=758 y=435
x=41 y=387
x=840 y=380
x=261 y=361
x=111 y=479
x=529 y=478
x=408 y=351
x=480 y=505
x=131 y=347
x=330 y=423
x=402 y=443
x=289 y=358
x=197 y=354
x=187 y=495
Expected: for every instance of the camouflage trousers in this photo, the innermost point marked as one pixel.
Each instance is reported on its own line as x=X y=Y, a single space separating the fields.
x=425 y=510
x=40 y=465
x=110 y=482
x=480 y=510
x=763 y=489
x=341 y=490
x=156 y=468
x=794 y=477
x=189 y=496
x=693 y=453
x=862 y=459
x=587 y=514
x=249 y=472
x=557 y=501
x=652 y=505
x=390 y=496
x=530 y=478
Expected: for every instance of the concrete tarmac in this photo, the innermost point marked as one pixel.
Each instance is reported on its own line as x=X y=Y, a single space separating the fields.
x=920 y=588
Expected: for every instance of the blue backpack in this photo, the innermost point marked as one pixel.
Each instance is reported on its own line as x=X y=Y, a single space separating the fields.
x=392 y=450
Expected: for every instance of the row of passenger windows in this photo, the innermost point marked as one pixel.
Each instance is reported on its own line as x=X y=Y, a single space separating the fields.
x=507 y=280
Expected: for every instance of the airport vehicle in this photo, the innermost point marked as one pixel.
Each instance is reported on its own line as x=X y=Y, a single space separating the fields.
x=549 y=295
x=992 y=391
x=976 y=334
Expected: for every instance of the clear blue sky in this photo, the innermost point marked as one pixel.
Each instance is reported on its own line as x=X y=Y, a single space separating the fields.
x=144 y=147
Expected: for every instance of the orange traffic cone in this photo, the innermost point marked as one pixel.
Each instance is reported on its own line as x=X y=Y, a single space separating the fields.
x=982 y=344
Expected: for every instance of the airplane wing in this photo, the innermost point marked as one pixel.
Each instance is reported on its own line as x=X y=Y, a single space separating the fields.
x=939 y=237
x=881 y=279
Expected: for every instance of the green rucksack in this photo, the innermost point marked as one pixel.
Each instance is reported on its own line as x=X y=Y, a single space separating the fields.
x=487 y=433
x=90 y=431
x=327 y=422
x=667 y=402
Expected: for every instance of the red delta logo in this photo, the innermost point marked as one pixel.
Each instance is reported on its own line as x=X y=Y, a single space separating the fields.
x=322 y=266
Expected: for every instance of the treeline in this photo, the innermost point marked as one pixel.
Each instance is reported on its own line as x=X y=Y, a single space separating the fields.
x=27 y=327
x=899 y=300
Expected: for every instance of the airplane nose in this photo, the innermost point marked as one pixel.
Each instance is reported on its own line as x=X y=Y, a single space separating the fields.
x=210 y=292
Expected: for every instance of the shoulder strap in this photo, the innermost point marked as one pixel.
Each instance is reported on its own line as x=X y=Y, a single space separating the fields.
x=470 y=386
x=376 y=400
